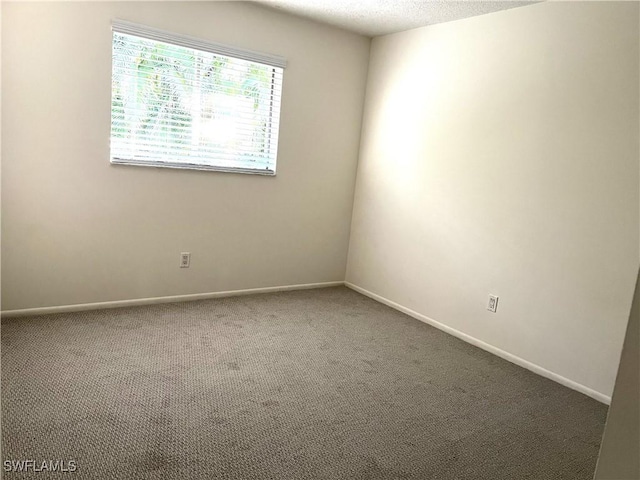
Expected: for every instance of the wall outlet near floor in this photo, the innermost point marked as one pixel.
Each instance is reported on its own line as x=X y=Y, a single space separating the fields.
x=493 y=303
x=185 y=259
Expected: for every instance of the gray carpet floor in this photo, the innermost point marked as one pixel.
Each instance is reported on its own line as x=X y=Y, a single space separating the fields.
x=314 y=384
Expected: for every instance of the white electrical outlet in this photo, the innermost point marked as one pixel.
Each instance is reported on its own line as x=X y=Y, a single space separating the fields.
x=185 y=259
x=493 y=303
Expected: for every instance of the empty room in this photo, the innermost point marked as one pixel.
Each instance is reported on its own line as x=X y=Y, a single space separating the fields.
x=299 y=239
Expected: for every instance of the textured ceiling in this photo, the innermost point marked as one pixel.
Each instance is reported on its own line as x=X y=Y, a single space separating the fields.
x=379 y=17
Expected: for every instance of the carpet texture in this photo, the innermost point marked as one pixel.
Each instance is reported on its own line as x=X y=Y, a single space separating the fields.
x=314 y=384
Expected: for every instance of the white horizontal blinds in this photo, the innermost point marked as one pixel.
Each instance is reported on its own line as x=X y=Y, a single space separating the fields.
x=122 y=26
x=177 y=105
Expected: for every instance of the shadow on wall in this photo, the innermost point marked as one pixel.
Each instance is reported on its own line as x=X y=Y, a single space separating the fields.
x=620 y=452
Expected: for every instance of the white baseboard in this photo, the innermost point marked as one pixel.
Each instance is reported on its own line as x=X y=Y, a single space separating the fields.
x=170 y=299
x=601 y=397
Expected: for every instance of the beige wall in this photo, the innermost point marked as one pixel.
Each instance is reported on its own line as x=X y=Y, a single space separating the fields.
x=620 y=451
x=499 y=155
x=76 y=229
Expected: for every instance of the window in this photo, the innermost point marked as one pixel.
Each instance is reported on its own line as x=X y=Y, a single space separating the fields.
x=180 y=102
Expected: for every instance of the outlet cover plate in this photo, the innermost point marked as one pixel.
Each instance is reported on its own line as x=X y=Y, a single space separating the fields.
x=492 y=306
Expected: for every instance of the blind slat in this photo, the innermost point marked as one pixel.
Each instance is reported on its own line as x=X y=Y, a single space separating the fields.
x=157 y=157
x=195 y=166
x=197 y=150
x=238 y=111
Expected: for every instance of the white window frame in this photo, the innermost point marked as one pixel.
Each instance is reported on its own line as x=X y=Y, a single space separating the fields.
x=275 y=61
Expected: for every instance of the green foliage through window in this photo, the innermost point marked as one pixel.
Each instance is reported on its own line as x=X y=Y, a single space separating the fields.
x=180 y=105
